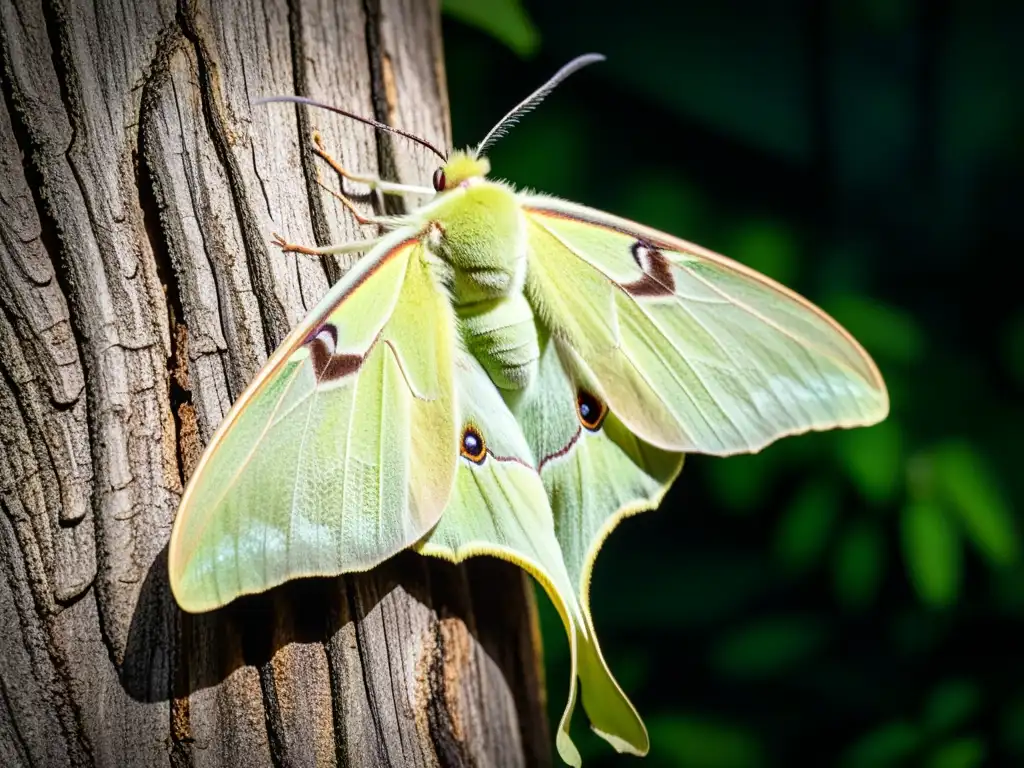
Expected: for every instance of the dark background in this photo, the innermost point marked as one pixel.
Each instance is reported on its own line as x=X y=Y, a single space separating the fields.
x=850 y=598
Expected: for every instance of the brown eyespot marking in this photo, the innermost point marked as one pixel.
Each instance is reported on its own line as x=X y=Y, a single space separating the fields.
x=473 y=446
x=657 y=279
x=327 y=365
x=439 y=180
x=590 y=410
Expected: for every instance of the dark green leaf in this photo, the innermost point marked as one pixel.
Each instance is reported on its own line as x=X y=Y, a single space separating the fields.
x=767 y=246
x=966 y=752
x=873 y=459
x=766 y=648
x=884 y=330
x=804 y=529
x=932 y=553
x=740 y=482
x=967 y=485
x=859 y=564
x=950 y=705
x=505 y=20
x=695 y=742
x=888 y=745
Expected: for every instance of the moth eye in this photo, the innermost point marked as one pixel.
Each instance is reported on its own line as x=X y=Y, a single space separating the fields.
x=473 y=447
x=590 y=410
x=439 y=180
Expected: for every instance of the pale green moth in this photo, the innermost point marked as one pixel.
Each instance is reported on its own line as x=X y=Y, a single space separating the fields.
x=508 y=374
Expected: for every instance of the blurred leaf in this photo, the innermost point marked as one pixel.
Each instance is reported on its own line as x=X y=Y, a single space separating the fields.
x=884 y=330
x=692 y=742
x=966 y=752
x=950 y=705
x=664 y=202
x=504 y=20
x=890 y=744
x=968 y=485
x=859 y=564
x=768 y=647
x=803 y=531
x=767 y=246
x=872 y=457
x=740 y=482
x=932 y=553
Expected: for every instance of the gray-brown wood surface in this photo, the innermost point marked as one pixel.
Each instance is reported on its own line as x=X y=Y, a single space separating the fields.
x=139 y=293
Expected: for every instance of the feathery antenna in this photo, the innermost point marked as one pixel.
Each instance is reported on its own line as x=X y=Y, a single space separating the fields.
x=533 y=100
x=360 y=118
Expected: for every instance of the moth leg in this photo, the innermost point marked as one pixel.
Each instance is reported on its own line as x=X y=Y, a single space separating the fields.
x=374 y=183
x=327 y=250
x=379 y=220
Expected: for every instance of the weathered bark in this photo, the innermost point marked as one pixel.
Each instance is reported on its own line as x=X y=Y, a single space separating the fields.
x=138 y=295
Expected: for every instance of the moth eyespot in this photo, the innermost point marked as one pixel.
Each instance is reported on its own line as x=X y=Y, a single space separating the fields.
x=656 y=278
x=328 y=336
x=642 y=254
x=473 y=446
x=590 y=410
x=439 y=180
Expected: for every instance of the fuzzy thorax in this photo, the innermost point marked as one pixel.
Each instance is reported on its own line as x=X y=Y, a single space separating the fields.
x=462 y=166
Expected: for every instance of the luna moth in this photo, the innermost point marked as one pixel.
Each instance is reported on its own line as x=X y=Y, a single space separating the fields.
x=510 y=374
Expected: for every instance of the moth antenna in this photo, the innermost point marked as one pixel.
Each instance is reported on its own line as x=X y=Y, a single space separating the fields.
x=535 y=98
x=369 y=121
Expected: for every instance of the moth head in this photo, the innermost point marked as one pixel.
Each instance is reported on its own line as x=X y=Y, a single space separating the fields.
x=460 y=168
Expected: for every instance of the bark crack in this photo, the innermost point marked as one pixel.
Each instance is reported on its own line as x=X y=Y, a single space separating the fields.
x=169 y=41
x=272 y=716
x=300 y=84
x=449 y=748
x=382 y=107
x=272 y=313
x=177 y=359
x=68 y=711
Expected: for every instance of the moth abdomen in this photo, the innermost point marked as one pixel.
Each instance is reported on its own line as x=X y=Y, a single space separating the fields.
x=502 y=335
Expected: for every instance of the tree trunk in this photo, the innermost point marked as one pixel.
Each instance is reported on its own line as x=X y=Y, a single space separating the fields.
x=139 y=294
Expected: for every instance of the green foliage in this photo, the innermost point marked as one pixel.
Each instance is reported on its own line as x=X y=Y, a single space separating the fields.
x=951 y=704
x=932 y=552
x=700 y=742
x=804 y=529
x=889 y=333
x=965 y=483
x=505 y=20
x=873 y=460
x=965 y=752
x=741 y=481
x=888 y=745
x=859 y=564
x=769 y=247
x=768 y=647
